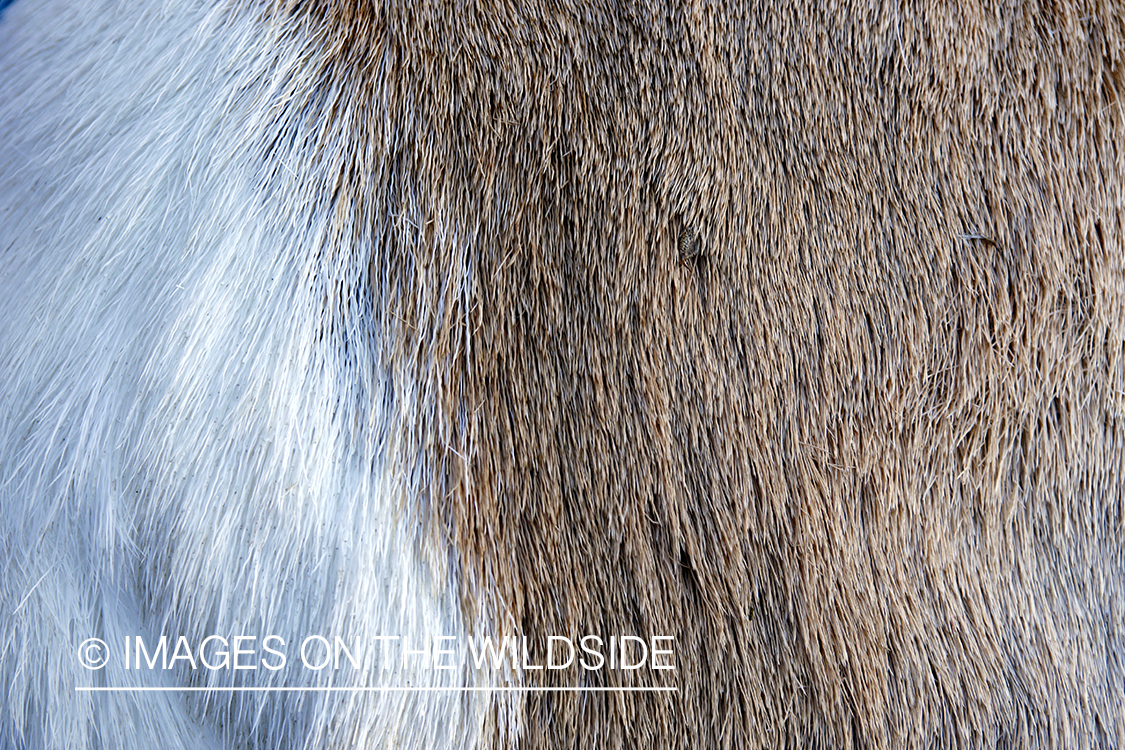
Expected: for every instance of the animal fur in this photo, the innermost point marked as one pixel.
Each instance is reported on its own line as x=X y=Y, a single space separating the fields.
x=795 y=333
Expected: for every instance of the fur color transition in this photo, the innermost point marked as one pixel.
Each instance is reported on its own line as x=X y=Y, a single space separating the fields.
x=795 y=333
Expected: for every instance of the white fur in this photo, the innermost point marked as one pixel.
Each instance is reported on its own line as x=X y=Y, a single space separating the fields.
x=203 y=426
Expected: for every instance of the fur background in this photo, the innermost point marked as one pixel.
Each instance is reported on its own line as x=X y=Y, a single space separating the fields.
x=793 y=332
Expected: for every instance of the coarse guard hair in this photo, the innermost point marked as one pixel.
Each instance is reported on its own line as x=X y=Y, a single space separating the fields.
x=783 y=342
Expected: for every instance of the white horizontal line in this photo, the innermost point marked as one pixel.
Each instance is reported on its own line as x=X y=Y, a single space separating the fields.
x=376 y=689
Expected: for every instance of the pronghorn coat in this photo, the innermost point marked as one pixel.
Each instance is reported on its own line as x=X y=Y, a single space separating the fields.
x=793 y=333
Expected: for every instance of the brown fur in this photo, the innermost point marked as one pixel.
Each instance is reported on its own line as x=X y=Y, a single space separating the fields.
x=861 y=453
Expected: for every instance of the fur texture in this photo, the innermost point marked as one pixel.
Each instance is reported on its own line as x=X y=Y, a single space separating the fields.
x=213 y=421
x=795 y=333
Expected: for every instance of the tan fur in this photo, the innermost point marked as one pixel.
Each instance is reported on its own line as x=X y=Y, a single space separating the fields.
x=862 y=453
